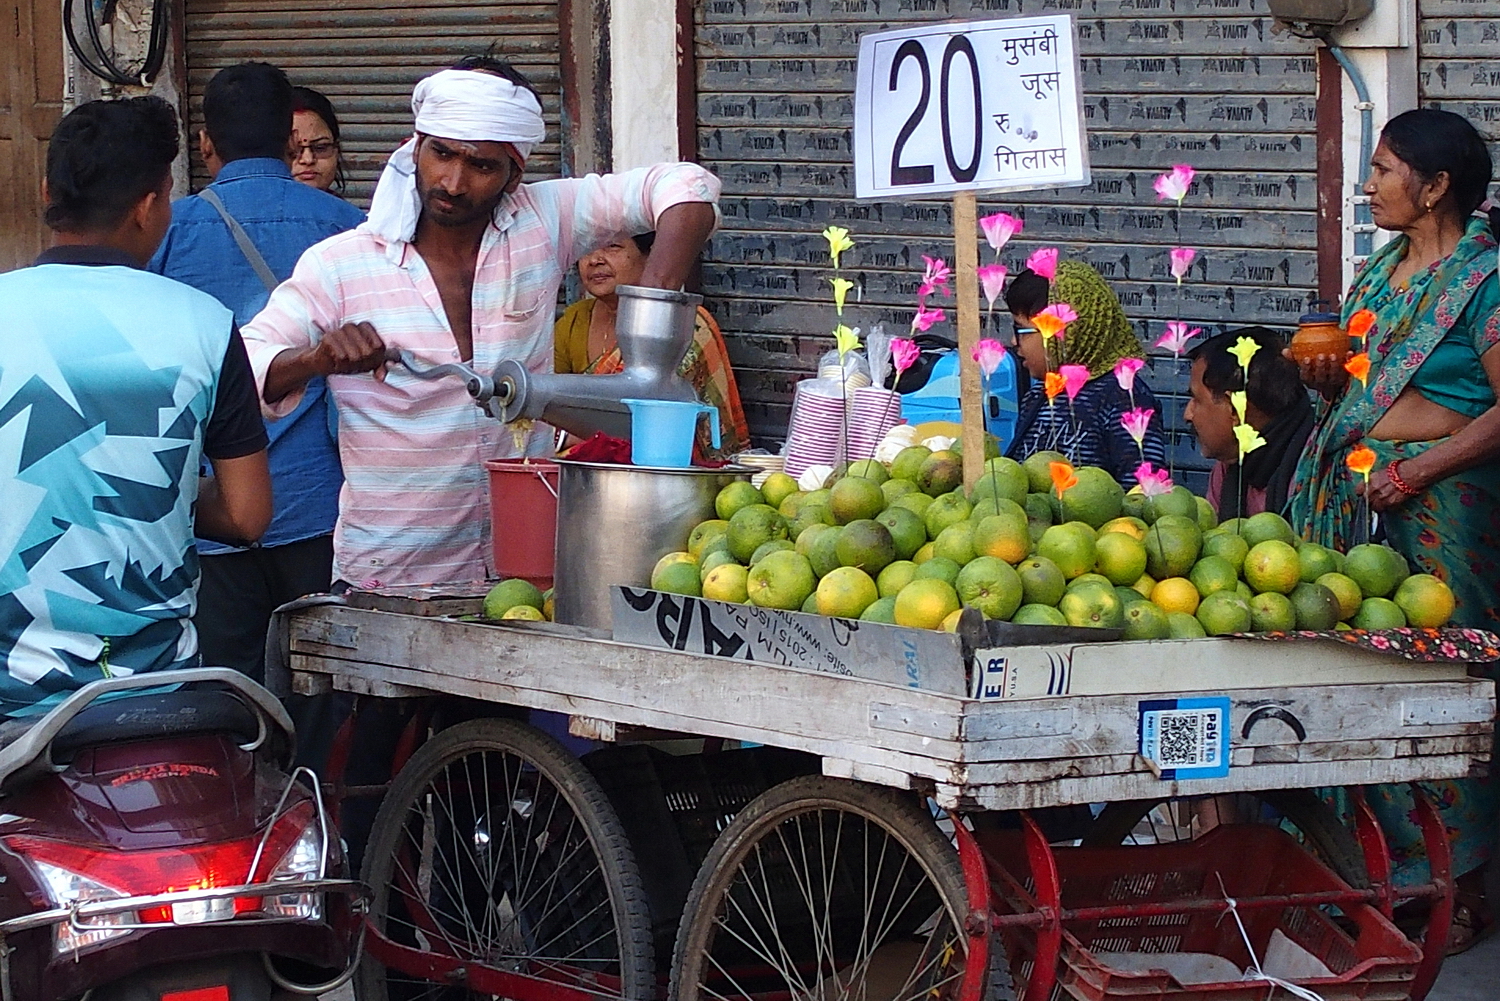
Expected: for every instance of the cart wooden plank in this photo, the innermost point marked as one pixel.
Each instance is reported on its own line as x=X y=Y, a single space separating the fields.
x=1006 y=754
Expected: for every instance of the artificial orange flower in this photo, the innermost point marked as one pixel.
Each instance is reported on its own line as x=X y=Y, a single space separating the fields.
x=1054 y=384
x=1361 y=323
x=1361 y=459
x=1359 y=366
x=1048 y=324
x=1062 y=477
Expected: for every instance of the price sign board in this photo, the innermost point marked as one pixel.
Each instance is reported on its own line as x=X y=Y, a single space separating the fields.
x=969 y=106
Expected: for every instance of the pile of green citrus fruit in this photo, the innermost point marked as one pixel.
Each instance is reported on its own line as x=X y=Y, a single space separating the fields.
x=906 y=544
x=517 y=599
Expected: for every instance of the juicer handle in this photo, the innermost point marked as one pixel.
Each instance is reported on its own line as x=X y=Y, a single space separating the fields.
x=480 y=387
x=713 y=421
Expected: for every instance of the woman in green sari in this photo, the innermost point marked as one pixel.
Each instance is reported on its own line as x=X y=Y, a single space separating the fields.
x=1428 y=410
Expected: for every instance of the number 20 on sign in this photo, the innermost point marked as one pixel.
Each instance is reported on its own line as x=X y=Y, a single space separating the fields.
x=976 y=105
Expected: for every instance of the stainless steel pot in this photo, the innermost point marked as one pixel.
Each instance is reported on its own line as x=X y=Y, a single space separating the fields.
x=614 y=522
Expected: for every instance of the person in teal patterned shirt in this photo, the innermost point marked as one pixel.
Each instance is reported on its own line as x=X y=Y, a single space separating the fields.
x=113 y=384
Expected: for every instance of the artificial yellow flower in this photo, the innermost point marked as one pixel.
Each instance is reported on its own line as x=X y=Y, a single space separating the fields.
x=1248 y=437
x=838 y=242
x=1238 y=398
x=1244 y=349
x=841 y=287
x=845 y=340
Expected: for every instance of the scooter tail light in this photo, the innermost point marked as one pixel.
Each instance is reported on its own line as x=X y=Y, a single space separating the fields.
x=66 y=887
x=303 y=860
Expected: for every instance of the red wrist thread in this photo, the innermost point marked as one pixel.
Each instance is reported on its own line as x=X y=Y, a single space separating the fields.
x=1397 y=481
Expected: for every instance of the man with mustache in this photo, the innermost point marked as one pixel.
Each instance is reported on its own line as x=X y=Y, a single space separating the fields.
x=458 y=261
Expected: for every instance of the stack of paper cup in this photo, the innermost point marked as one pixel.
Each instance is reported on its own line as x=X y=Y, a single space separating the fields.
x=815 y=434
x=873 y=412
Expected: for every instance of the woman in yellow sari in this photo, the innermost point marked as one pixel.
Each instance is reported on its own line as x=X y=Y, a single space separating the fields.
x=584 y=341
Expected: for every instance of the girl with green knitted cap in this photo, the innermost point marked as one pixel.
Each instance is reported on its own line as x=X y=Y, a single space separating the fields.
x=1089 y=431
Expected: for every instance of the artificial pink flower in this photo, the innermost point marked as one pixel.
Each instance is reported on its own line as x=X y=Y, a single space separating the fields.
x=1177 y=336
x=1154 y=482
x=925 y=318
x=992 y=277
x=1135 y=422
x=1074 y=378
x=1044 y=262
x=904 y=354
x=1174 y=184
x=999 y=228
x=935 y=278
x=1125 y=370
x=989 y=353
x=1182 y=259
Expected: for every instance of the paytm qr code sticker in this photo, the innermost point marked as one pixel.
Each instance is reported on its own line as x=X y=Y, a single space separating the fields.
x=1186 y=738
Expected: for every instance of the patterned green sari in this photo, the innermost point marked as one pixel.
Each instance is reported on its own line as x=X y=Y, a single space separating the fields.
x=1450 y=530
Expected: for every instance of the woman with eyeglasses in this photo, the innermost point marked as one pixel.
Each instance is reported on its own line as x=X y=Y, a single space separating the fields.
x=316 y=157
x=1089 y=430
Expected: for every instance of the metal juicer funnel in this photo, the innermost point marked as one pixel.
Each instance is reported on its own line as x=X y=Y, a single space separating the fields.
x=654 y=328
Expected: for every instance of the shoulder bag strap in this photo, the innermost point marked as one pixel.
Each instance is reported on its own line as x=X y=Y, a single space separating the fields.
x=242 y=239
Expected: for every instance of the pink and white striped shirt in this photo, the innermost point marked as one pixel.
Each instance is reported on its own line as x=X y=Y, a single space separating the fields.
x=414 y=508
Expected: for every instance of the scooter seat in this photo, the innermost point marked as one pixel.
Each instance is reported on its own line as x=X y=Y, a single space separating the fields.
x=142 y=717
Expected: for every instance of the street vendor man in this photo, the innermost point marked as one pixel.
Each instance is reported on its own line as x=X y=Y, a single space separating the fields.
x=458 y=261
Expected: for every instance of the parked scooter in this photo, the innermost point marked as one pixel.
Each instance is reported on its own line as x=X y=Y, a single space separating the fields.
x=154 y=846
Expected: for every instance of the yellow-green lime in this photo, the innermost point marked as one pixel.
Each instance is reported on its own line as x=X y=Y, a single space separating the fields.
x=525 y=613
x=1227 y=546
x=1145 y=621
x=940 y=473
x=821 y=495
x=925 y=603
x=777 y=488
x=950 y=623
x=894 y=577
x=1378 y=613
x=717 y=558
x=1426 y=601
x=1134 y=505
x=1144 y=585
x=1002 y=477
x=782 y=580
x=670 y=558
x=810 y=606
x=908 y=530
x=1042 y=583
x=1345 y=592
x=948 y=509
x=735 y=496
x=704 y=533
x=1131 y=526
x=956 y=542
x=727 y=582
x=1213 y=573
x=791 y=504
x=823 y=554
x=1378 y=570
x=1129 y=595
x=1038 y=615
x=1183 y=626
x=1272 y=566
x=846 y=593
x=991 y=585
x=809 y=535
x=897 y=488
x=1266 y=526
x=870 y=469
x=1172 y=544
x=677 y=578
x=1038 y=516
x=916 y=502
x=1223 y=613
x=1208 y=518
x=908 y=462
x=1178 y=501
x=1093 y=605
x=1272 y=613
x=1176 y=594
x=880 y=610
x=938 y=568
x=1003 y=536
x=865 y=544
x=508 y=594
x=1038 y=466
x=855 y=498
x=1120 y=557
x=1315 y=560
x=1071 y=547
x=1315 y=605
x=752 y=526
x=1243 y=590
x=1090 y=578
x=811 y=513
x=1095 y=499
x=923 y=554
x=766 y=548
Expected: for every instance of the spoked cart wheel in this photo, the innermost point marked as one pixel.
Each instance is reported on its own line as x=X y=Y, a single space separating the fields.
x=500 y=869
x=825 y=890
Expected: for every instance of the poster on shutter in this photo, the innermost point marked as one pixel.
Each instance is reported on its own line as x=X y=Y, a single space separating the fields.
x=973 y=105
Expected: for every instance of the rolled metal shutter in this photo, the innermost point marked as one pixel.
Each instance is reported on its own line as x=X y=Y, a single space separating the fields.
x=1166 y=81
x=366 y=55
x=1458 y=61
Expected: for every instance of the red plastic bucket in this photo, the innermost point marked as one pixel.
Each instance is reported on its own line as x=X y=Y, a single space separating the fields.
x=523 y=518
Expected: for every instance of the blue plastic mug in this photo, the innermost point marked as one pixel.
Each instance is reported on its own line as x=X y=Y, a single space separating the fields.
x=662 y=431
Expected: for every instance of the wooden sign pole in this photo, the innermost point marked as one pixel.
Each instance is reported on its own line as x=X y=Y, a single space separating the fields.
x=966 y=288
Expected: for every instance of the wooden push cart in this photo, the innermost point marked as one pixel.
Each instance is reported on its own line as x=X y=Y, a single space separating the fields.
x=747 y=830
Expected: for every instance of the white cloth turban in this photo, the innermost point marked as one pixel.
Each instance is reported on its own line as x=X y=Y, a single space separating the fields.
x=465 y=105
